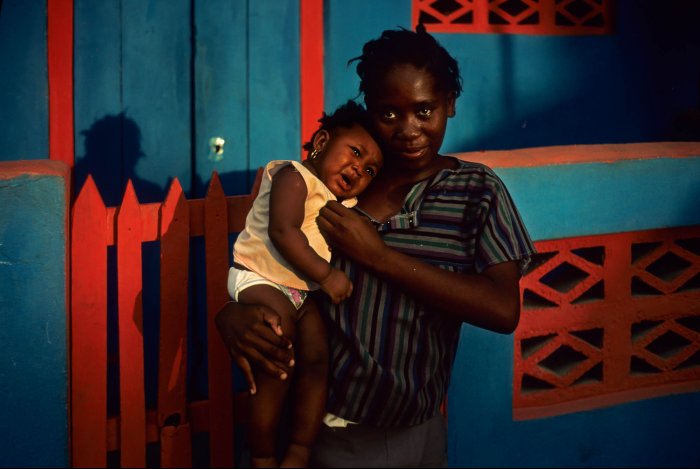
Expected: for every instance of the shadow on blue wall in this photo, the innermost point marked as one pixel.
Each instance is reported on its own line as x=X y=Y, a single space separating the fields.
x=639 y=84
x=112 y=150
x=111 y=154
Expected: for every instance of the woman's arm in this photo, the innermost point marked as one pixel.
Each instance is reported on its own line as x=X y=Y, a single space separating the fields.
x=490 y=300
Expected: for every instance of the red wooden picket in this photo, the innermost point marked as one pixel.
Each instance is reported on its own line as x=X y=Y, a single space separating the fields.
x=131 y=378
x=89 y=329
x=219 y=362
x=173 y=223
x=175 y=436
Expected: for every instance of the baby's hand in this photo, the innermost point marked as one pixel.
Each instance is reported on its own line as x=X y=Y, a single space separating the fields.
x=337 y=285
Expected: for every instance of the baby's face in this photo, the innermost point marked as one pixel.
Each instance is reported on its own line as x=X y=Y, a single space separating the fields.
x=349 y=161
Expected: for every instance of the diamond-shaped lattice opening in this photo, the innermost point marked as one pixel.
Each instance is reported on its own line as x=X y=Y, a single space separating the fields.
x=668 y=345
x=514 y=7
x=641 y=288
x=530 y=384
x=668 y=267
x=593 y=337
x=446 y=7
x=642 y=367
x=690 y=244
x=579 y=8
x=538 y=259
x=562 y=360
x=467 y=18
x=594 y=375
x=641 y=250
x=532 y=344
x=426 y=18
x=561 y=20
x=532 y=300
x=595 y=293
x=690 y=322
x=594 y=255
x=690 y=285
x=642 y=328
x=564 y=277
x=532 y=19
x=496 y=19
x=596 y=21
x=692 y=362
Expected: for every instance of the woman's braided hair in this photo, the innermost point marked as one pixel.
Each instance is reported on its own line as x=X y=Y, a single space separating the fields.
x=402 y=46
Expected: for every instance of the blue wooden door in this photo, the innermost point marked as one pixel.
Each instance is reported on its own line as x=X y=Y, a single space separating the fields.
x=157 y=80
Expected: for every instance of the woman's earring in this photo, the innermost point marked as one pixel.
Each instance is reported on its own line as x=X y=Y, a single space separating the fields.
x=314 y=154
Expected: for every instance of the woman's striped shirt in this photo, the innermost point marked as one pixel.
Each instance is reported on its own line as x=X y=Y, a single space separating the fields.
x=391 y=357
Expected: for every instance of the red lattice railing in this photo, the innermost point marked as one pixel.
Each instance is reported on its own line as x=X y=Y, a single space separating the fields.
x=557 y=17
x=608 y=319
x=172 y=223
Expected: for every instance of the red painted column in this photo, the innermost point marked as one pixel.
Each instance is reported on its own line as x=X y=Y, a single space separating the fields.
x=311 y=66
x=60 y=65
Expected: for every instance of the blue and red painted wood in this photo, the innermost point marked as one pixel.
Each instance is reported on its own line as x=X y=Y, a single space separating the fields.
x=34 y=312
x=60 y=64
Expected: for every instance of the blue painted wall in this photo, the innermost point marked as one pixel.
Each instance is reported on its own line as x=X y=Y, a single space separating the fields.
x=659 y=432
x=156 y=80
x=24 y=111
x=639 y=84
x=562 y=201
x=33 y=318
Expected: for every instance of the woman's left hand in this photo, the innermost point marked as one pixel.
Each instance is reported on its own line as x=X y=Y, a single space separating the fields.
x=350 y=233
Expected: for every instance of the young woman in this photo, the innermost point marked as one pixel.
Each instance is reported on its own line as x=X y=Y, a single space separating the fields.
x=434 y=242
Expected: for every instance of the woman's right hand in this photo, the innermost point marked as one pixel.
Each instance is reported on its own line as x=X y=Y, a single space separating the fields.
x=252 y=333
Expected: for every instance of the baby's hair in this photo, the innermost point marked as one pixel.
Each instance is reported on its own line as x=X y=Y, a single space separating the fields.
x=346 y=115
x=403 y=46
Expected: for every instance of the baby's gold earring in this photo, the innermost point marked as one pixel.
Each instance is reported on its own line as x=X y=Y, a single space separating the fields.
x=314 y=154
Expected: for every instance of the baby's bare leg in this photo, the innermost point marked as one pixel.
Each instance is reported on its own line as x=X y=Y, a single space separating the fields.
x=310 y=386
x=266 y=404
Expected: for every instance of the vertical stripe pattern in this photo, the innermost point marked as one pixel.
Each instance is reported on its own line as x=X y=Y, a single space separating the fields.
x=391 y=357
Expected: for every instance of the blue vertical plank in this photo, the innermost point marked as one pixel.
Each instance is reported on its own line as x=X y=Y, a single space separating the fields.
x=100 y=123
x=221 y=94
x=156 y=53
x=275 y=120
x=24 y=112
x=348 y=25
x=156 y=96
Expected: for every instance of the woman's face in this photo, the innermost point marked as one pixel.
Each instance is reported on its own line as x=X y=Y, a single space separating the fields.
x=409 y=115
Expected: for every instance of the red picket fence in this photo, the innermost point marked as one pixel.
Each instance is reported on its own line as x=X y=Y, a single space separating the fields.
x=173 y=223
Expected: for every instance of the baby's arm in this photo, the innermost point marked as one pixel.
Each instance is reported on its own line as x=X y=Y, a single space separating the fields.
x=287 y=197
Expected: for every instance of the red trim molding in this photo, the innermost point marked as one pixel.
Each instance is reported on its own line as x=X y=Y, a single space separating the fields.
x=578 y=154
x=311 y=66
x=60 y=65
